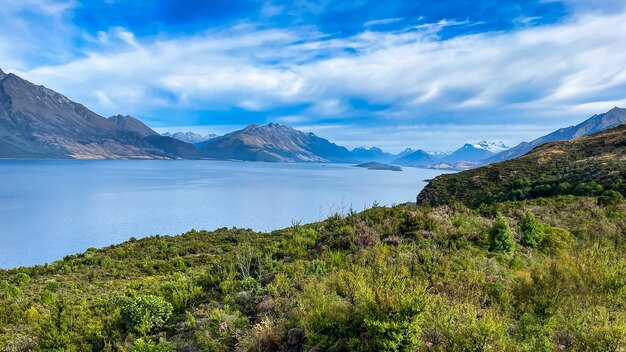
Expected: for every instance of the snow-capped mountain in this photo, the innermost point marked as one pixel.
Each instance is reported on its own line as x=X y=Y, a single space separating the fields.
x=440 y=155
x=494 y=147
x=474 y=152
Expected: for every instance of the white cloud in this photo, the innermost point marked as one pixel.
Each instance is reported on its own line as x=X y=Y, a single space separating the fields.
x=382 y=21
x=564 y=71
x=53 y=8
x=33 y=30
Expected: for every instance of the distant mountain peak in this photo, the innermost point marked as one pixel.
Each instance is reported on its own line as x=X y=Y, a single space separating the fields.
x=275 y=142
x=418 y=158
x=190 y=137
x=364 y=154
x=2 y=74
x=282 y=127
x=272 y=126
x=371 y=149
x=494 y=147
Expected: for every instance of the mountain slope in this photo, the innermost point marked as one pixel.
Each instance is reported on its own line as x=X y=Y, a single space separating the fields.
x=406 y=152
x=417 y=158
x=594 y=124
x=131 y=124
x=587 y=165
x=172 y=146
x=37 y=122
x=276 y=143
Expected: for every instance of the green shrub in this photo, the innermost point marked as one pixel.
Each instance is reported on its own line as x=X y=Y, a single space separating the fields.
x=9 y=291
x=143 y=346
x=588 y=189
x=180 y=292
x=144 y=313
x=501 y=237
x=532 y=231
x=556 y=239
x=414 y=222
x=564 y=188
x=610 y=197
x=220 y=330
x=22 y=279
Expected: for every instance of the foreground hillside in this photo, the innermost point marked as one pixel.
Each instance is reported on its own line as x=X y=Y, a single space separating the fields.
x=389 y=279
x=589 y=165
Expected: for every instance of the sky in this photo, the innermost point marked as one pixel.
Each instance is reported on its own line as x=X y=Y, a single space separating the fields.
x=394 y=74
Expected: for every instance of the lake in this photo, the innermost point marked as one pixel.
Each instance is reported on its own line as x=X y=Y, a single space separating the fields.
x=52 y=208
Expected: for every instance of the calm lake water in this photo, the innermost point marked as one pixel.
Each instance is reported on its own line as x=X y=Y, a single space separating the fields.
x=49 y=209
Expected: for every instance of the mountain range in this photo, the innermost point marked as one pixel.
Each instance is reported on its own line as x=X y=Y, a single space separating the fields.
x=372 y=154
x=37 y=122
x=474 y=152
x=464 y=157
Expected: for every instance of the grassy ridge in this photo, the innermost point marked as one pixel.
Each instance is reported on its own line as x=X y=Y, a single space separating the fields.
x=388 y=279
x=584 y=166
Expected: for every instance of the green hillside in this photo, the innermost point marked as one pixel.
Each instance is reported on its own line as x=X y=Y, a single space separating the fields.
x=589 y=165
x=407 y=278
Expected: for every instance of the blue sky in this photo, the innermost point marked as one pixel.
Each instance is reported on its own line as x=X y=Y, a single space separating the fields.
x=395 y=74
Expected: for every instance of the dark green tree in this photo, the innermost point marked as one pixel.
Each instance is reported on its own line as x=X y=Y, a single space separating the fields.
x=532 y=231
x=501 y=238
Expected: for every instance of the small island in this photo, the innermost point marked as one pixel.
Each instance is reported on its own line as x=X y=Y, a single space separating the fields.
x=373 y=165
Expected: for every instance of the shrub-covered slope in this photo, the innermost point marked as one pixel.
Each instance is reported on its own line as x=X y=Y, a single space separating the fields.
x=584 y=166
x=542 y=275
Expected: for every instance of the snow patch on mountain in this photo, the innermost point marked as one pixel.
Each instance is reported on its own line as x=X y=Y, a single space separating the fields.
x=494 y=147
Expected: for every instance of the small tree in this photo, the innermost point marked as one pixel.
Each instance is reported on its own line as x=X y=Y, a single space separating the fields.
x=532 y=231
x=501 y=238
